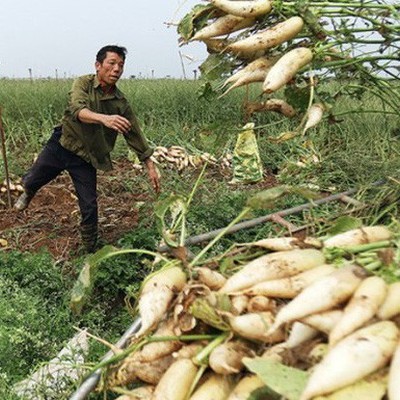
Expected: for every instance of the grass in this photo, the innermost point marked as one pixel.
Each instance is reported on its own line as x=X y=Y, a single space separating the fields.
x=360 y=149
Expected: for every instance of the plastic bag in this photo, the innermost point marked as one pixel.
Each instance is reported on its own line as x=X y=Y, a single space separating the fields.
x=247 y=166
x=54 y=379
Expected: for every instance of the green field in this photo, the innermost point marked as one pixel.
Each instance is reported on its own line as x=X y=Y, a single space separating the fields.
x=171 y=113
x=360 y=148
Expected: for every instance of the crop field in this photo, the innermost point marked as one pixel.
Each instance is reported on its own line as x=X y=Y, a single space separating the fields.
x=40 y=258
x=268 y=265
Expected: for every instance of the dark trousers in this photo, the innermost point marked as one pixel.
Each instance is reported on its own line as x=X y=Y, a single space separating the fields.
x=53 y=160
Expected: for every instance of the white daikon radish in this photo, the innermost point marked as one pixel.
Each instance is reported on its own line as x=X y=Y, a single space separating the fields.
x=290 y=287
x=394 y=376
x=255 y=326
x=173 y=277
x=156 y=295
x=215 y=387
x=273 y=266
x=314 y=116
x=259 y=63
x=140 y=393
x=189 y=351
x=317 y=353
x=223 y=26
x=284 y=108
x=245 y=387
x=256 y=71
x=271 y=37
x=213 y=279
x=249 y=55
x=176 y=382
x=278 y=353
x=152 y=307
x=324 y=321
x=227 y=358
x=366 y=234
x=239 y=303
x=250 y=77
x=216 y=45
x=237 y=75
x=322 y=295
x=286 y=68
x=155 y=350
x=261 y=303
x=299 y=334
x=151 y=372
x=356 y=356
x=363 y=305
x=285 y=243
x=133 y=368
x=244 y=8
x=391 y=304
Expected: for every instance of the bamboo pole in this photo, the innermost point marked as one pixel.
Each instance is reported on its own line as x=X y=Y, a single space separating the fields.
x=4 y=153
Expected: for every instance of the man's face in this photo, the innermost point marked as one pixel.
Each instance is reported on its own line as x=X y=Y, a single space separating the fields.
x=110 y=70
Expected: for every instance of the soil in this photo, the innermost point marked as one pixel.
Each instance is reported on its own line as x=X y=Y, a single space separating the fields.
x=51 y=221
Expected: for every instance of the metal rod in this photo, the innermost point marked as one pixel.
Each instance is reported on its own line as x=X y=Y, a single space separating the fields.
x=204 y=237
x=90 y=383
x=251 y=223
x=4 y=152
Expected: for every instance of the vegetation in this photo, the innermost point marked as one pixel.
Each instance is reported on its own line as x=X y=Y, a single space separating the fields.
x=172 y=114
x=35 y=319
x=355 y=144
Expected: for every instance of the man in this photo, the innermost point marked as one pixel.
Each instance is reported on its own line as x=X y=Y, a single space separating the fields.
x=97 y=113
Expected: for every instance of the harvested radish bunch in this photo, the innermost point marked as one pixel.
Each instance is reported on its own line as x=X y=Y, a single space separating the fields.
x=338 y=321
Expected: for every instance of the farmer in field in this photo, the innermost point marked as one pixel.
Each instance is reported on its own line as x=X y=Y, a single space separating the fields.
x=81 y=144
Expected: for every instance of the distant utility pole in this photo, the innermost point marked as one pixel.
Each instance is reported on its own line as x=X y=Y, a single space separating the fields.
x=152 y=74
x=183 y=65
x=30 y=73
x=56 y=74
x=195 y=74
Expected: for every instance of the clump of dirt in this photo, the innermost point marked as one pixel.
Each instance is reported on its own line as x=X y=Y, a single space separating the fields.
x=52 y=219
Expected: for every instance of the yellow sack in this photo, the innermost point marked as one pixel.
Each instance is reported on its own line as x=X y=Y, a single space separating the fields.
x=247 y=166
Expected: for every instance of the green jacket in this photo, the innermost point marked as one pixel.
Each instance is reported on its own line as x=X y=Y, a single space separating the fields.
x=94 y=142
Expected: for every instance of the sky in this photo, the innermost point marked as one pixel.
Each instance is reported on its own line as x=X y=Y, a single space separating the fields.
x=60 y=38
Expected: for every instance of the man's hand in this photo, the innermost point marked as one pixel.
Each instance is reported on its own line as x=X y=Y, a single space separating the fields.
x=117 y=122
x=153 y=175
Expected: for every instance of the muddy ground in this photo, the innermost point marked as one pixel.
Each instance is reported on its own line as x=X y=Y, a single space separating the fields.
x=52 y=219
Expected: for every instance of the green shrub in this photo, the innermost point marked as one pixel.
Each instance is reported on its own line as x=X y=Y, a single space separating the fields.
x=24 y=330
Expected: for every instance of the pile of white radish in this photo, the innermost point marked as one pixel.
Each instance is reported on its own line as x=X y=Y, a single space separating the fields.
x=296 y=304
x=13 y=186
x=271 y=57
x=178 y=158
x=235 y=16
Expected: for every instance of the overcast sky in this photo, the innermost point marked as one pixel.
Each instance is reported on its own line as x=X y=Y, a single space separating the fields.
x=65 y=35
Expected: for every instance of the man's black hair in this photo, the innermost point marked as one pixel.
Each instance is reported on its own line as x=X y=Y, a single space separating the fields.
x=102 y=53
